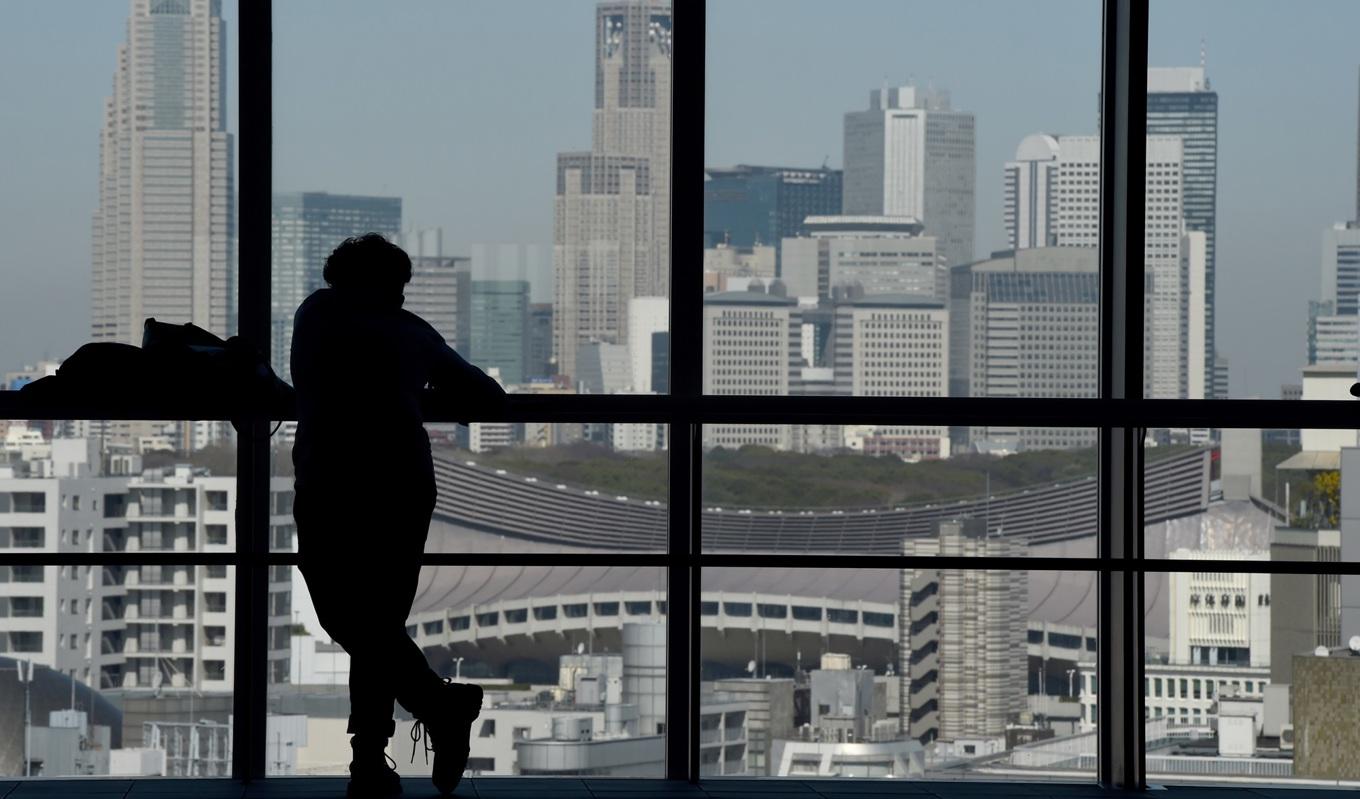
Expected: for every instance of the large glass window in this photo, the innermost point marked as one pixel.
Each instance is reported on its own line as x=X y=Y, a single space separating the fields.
x=541 y=252
x=1249 y=297
x=795 y=550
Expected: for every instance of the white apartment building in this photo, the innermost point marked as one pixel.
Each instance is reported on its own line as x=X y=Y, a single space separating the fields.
x=58 y=503
x=130 y=627
x=911 y=154
x=849 y=256
x=961 y=635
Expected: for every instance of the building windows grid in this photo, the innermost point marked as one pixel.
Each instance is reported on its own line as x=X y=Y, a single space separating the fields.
x=685 y=409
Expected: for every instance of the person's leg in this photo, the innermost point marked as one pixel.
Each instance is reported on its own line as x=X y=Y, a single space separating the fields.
x=336 y=580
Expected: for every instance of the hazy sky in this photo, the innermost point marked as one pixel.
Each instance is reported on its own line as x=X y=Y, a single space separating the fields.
x=460 y=107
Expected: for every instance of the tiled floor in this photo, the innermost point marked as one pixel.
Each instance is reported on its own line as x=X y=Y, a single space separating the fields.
x=566 y=788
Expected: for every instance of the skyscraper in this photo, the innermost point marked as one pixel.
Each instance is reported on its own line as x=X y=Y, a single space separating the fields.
x=1030 y=182
x=1167 y=365
x=611 y=225
x=749 y=205
x=439 y=292
x=306 y=227
x=165 y=226
x=500 y=327
x=1027 y=324
x=1181 y=103
x=910 y=154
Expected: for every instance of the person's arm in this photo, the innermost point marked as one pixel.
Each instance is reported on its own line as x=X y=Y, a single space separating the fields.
x=454 y=378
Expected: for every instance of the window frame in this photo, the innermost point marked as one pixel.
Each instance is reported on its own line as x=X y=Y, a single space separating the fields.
x=1119 y=413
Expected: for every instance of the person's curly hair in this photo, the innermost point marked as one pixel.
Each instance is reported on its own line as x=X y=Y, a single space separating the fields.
x=366 y=263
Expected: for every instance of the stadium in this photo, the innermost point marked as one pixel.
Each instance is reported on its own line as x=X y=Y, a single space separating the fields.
x=503 y=620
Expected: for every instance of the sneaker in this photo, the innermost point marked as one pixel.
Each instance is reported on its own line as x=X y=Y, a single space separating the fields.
x=373 y=779
x=447 y=731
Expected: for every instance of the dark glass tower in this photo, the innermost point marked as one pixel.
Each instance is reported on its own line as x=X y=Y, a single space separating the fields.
x=748 y=205
x=306 y=227
x=1181 y=103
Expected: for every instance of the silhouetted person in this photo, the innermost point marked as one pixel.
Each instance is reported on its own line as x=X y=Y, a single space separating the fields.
x=364 y=493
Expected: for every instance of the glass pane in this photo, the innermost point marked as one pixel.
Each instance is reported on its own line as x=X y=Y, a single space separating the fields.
x=868 y=489
x=1241 y=314
x=823 y=673
x=946 y=244
x=1289 y=493
x=133 y=664
x=118 y=198
x=132 y=667
x=572 y=662
x=540 y=252
x=516 y=488
x=1249 y=674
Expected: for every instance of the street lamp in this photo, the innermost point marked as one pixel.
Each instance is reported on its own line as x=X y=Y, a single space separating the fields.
x=1070 y=674
x=457 y=668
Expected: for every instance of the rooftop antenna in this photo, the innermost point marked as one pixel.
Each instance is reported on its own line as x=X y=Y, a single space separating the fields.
x=1204 y=60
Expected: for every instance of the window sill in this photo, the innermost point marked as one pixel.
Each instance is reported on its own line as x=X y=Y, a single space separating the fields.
x=605 y=788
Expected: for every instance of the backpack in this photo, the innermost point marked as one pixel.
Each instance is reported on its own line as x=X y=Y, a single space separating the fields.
x=175 y=363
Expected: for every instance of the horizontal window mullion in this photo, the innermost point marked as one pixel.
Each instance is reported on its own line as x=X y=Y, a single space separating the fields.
x=143 y=558
x=670 y=409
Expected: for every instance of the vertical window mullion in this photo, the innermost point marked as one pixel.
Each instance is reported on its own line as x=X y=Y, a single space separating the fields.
x=1123 y=153
x=255 y=148
x=686 y=385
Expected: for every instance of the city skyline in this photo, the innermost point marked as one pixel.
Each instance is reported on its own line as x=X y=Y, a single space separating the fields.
x=51 y=180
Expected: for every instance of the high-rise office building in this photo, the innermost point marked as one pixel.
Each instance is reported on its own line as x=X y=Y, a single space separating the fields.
x=961 y=635
x=499 y=335
x=1169 y=257
x=746 y=206
x=305 y=227
x=540 y=363
x=1026 y=323
x=439 y=292
x=1341 y=268
x=1334 y=321
x=894 y=345
x=611 y=226
x=911 y=154
x=749 y=341
x=1181 y=103
x=1030 y=182
x=164 y=229
x=845 y=256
